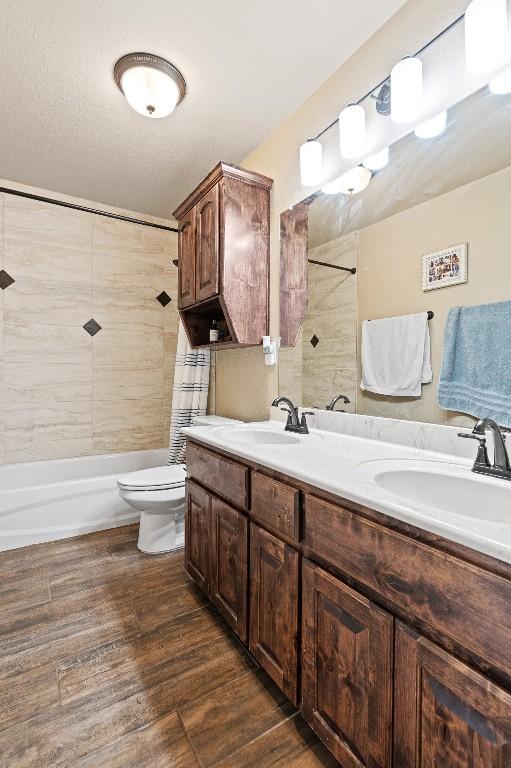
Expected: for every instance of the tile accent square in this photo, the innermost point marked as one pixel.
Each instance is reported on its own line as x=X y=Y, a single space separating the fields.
x=164 y=298
x=6 y=280
x=92 y=327
x=314 y=341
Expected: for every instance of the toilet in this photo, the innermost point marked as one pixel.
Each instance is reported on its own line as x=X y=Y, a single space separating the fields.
x=158 y=494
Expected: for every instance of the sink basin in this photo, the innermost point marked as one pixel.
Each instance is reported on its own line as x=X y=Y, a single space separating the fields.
x=444 y=488
x=261 y=437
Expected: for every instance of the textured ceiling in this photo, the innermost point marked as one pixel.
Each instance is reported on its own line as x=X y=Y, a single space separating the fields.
x=248 y=65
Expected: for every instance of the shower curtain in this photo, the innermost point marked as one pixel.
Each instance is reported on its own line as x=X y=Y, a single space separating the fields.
x=190 y=393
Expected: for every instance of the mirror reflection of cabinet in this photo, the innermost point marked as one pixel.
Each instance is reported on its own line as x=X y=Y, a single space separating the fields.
x=293 y=272
x=223 y=259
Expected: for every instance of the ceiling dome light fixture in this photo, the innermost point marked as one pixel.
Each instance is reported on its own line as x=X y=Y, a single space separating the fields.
x=151 y=85
x=350 y=183
x=486 y=42
x=406 y=90
x=433 y=127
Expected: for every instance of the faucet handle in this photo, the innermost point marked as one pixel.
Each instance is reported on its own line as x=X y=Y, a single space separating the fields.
x=304 y=427
x=289 y=422
x=482 y=458
x=472 y=436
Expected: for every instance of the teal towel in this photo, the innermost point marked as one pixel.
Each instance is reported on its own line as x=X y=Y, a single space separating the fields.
x=476 y=370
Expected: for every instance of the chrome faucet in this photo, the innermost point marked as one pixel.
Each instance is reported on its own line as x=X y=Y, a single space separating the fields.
x=501 y=466
x=293 y=423
x=336 y=399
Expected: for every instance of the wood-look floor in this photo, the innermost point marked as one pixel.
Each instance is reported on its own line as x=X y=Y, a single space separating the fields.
x=113 y=659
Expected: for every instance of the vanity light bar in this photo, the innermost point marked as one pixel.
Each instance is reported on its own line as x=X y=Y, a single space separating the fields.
x=385 y=82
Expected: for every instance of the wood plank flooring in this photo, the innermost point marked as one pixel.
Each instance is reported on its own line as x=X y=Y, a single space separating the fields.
x=113 y=659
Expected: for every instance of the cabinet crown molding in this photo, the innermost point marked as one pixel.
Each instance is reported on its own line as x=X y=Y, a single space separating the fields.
x=221 y=170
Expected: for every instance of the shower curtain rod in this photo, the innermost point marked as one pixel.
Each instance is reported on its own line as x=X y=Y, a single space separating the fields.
x=352 y=270
x=85 y=209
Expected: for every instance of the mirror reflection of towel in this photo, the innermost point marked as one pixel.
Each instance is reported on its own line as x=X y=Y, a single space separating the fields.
x=476 y=369
x=396 y=355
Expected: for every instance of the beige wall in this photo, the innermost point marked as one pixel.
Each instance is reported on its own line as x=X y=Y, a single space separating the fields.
x=390 y=274
x=65 y=393
x=245 y=386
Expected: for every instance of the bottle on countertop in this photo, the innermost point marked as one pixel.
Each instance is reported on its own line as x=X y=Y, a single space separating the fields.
x=213 y=331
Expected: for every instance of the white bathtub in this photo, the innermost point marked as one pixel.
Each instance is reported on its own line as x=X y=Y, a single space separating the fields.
x=49 y=500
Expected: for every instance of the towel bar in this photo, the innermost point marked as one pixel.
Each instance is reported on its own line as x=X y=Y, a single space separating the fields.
x=431 y=315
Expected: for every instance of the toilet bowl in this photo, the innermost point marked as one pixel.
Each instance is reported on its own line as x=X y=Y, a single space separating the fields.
x=159 y=495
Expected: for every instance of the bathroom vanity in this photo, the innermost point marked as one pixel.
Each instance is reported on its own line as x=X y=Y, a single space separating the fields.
x=392 y=640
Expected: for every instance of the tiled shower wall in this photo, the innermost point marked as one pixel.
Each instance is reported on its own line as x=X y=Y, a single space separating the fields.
x=66 y=393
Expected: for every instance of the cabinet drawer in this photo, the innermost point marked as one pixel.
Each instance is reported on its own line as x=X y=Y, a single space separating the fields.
x=276 y=505
x=449 y=594
x=226 y=478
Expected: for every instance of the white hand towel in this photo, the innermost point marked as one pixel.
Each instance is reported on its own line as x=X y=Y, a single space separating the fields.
x=396 y=355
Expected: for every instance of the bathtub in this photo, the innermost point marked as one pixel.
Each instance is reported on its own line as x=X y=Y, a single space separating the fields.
x=50 y=500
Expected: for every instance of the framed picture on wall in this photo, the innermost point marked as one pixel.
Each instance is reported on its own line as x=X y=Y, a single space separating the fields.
x=443 y=268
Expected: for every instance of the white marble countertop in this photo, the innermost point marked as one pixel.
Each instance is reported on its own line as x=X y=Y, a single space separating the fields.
x=348 y=467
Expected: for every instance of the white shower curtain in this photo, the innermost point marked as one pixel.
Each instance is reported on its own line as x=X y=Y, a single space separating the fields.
x=190 y=393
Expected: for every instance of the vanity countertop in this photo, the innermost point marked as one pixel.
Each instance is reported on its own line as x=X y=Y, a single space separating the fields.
x=426 y=489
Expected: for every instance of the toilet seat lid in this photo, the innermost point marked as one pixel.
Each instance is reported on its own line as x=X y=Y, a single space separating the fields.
x=155 y=478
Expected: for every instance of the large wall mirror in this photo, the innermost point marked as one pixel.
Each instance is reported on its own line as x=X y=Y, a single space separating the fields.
x=433 y=194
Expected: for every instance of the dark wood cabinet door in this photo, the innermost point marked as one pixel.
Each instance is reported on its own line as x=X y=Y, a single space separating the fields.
x=446 y=714
x=198 y=535
x=274 y=574
x=229 y=565
x=186 y=260
x=347 y=679
x=207 y=261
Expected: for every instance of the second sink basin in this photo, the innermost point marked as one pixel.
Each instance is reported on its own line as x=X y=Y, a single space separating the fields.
x=443 y=487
